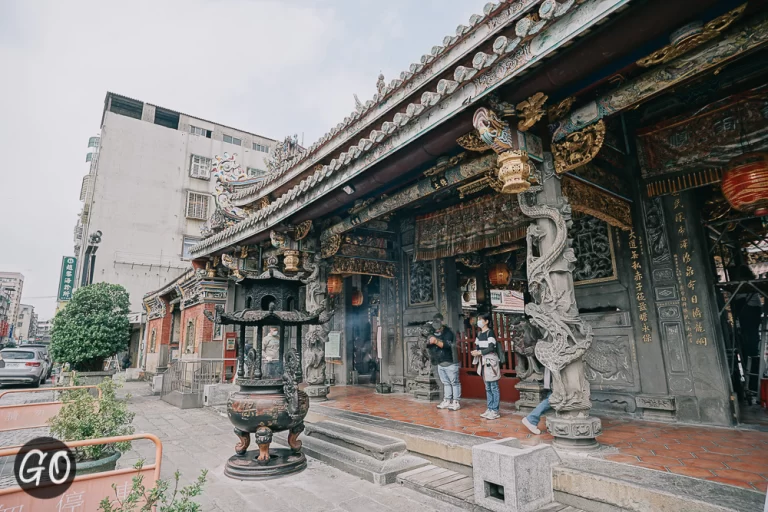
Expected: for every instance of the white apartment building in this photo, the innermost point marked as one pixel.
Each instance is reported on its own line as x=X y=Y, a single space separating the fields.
x=26 y=323
x=149 y=190
x=43 y=333
x=12 y=284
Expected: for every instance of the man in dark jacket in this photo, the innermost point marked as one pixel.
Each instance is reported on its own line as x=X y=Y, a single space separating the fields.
x=443 y=354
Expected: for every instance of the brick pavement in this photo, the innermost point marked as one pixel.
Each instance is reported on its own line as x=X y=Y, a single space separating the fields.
x=727 y=455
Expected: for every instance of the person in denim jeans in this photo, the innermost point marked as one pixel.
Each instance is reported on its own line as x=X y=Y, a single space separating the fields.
x=486 y=356
x=531 y=421
x=442 y=351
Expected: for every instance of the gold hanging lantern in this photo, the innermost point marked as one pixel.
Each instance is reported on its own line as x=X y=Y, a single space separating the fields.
x=291 y=261
x=514 y=171
x=335 y=284
x=498 y=274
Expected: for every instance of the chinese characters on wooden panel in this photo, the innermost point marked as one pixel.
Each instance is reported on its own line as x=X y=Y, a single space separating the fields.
x=642 y=302
x=686 y=278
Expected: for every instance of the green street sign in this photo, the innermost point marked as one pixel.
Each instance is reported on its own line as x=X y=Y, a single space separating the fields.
x=67 y=277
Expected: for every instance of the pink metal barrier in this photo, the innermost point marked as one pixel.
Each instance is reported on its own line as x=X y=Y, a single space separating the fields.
x=34 y=415
x=86 y=491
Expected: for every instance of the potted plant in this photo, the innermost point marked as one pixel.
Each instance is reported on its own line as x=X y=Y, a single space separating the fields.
x=90 y=328
x=139 y=499
x=84 y=416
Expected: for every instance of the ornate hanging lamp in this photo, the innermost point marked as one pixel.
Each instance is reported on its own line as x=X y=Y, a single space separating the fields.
x=357 y=298
x=498 y=274
x=335 y=284
x=745 y=183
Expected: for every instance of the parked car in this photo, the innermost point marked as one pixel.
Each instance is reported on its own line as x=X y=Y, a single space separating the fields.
x=24 y=366
x=44 y=348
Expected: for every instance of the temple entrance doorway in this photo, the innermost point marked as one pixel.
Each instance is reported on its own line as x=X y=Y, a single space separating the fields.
x=738 y=248
x=491 y=282
x=362 y=329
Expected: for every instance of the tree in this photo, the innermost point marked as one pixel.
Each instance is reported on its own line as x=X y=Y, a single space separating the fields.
x=93 y=326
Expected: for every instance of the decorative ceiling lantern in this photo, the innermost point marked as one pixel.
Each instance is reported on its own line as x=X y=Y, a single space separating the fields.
x=514 y=171
x=357 y=298
x=335 y=284
x=291 y=261
x=745 y=183
x=498 y=274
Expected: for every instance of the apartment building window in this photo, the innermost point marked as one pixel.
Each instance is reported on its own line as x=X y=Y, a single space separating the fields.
x=260 y=147
x=202 y=132
x=254 y=172
x=200 y=167
x=233 y=140
x=197 y=205
x=187 y=245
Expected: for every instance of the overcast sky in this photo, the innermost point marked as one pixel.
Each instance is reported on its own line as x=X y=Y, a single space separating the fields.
x=270 y=67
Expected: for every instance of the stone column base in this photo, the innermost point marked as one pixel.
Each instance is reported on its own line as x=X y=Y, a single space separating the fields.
x=574 y=433
x=531 y=394
x=317 y=392
x=426 y=388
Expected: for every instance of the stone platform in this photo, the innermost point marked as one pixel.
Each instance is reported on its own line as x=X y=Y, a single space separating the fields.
x=732 y=456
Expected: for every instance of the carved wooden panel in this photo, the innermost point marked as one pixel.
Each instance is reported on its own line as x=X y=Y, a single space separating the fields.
x=593 y=246
x=656 y=231
x=421 y=283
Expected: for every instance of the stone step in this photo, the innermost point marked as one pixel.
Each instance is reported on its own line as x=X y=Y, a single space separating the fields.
x=597 y=485
x=443 y=448
x=456 y=489
x=350 y=452
x=371 y=444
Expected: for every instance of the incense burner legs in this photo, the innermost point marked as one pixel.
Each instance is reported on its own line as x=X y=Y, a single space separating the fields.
x=263 y=413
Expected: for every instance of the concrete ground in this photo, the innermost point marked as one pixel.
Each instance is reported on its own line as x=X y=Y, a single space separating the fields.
x=196 y=439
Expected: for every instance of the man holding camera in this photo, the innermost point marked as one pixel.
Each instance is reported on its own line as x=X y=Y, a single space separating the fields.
x=443 y=354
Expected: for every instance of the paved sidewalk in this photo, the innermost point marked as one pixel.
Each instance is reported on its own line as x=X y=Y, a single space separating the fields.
x=727 y=455
x=194 y=439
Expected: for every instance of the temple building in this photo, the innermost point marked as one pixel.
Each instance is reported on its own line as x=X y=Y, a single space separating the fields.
x=592 y=173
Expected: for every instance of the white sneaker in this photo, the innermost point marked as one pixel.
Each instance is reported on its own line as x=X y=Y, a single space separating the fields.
x=486 y=414
x=530 y=426
x=455 y=406
x=493 y=415
x=444 y=404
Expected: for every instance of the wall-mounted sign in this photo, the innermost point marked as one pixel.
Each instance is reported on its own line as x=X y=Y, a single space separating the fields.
x=508 y=300
x=67 y=277
x=333 y=345
x=134 y=318
x=231 y=339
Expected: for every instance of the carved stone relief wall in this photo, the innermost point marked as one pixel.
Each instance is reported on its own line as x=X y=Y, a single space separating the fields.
x=611 y=361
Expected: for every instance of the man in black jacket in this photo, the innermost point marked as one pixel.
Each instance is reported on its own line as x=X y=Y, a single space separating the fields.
x=443 y=354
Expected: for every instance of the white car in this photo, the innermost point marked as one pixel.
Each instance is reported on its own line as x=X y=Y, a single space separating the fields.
x=23 y=366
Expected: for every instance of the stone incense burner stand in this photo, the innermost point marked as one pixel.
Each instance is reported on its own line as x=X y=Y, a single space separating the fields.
x=269 y=399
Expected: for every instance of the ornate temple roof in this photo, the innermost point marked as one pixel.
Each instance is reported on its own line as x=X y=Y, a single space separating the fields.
x=541 y=28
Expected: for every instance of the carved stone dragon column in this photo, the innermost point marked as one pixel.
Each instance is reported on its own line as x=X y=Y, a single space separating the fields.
x=565 y=335
x=314 y=356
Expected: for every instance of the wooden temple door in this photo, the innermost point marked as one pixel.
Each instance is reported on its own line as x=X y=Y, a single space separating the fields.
x=472 y=385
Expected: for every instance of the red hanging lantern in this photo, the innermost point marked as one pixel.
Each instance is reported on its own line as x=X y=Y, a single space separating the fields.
x=498 y=274
x=335 y=284
x=357 y=298
x=745 y=183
